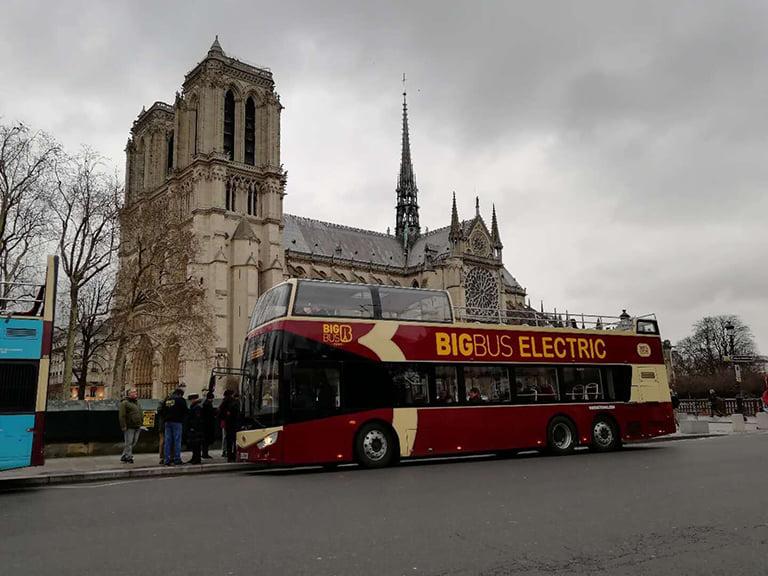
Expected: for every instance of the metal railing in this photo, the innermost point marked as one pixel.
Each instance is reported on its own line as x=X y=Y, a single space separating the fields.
x=21 y=298
x=726 y=407
x=530 y=317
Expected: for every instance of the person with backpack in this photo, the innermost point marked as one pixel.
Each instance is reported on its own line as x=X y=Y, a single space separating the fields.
x=129 y=414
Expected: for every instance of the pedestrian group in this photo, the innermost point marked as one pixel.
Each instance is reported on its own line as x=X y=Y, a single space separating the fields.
x=194 y=420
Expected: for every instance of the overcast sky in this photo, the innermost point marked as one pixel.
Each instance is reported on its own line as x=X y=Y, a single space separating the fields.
x=625 y=145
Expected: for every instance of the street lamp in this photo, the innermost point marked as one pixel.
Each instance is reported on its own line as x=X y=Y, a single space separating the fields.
x=730 y=330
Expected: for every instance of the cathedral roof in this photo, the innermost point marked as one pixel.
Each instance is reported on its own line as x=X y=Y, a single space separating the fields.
x=310 y=236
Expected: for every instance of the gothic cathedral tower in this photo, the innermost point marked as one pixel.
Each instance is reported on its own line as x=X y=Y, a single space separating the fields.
x=216 y=151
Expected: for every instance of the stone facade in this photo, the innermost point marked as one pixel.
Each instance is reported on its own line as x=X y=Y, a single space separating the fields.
x=216 y=151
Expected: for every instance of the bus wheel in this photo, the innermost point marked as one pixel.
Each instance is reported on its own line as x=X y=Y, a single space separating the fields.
x=605 y=435
x=374 y=446
x=561 y=436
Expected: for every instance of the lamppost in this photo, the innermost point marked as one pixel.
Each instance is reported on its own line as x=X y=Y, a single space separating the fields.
x=730 y=331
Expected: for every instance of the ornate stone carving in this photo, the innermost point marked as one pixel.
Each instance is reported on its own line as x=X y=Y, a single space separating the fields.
x=482 y=291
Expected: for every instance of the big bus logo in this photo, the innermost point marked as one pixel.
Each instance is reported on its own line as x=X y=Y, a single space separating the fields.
x=337 y=333
x=643 y=350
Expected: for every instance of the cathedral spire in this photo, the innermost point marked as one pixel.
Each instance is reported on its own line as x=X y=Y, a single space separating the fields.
x=216 y=49
x=454 y=235
x=407 y=212
x=495 y=238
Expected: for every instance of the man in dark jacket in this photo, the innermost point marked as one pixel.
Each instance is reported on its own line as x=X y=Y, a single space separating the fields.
x=129 y=414
x=209 y=424
x=175 y=414
x=195 y=428
x=229 y=416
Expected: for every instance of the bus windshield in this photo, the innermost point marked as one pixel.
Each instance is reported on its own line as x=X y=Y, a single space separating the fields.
x=261 y=380
x=270 y=305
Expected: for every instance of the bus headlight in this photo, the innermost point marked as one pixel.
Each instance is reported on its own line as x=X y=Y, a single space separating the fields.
x=267 y=441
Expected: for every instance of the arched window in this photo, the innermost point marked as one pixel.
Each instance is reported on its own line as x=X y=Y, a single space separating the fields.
x=252 y=200
x=170 y=369
x=142 y=369
x=169 y=156
x=250 y=132
x=229 y=200
x=415 y=284
x=229 y=124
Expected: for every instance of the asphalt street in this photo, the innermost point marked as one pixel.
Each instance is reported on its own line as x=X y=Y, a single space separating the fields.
x=688 y=507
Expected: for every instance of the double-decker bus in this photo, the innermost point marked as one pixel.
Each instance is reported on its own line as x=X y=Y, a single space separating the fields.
x=26 y=331
x=338 y=372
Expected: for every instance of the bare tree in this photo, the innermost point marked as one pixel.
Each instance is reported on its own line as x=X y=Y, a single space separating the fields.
x=26 y=168
x=94 y=330
x=87 y=204
x=702 y=359
x=706 y=351
x=156 y=291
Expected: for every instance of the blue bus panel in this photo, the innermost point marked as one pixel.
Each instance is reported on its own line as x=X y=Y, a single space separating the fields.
x=16 y=440
x=21 y=339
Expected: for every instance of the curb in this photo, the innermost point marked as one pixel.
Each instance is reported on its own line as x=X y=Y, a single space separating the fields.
x=36 y=480
x=686 y=437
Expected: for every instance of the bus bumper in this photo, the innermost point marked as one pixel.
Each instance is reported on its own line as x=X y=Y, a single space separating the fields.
x=262 y=446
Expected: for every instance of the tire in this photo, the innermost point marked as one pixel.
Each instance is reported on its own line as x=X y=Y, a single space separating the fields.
x=605 y=435
x=561 y=436
x=375 y=446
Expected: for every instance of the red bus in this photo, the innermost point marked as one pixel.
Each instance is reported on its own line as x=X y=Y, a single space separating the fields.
x=337 y=372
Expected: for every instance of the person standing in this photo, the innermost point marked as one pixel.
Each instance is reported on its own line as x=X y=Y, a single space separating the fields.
x=175 y=415
x=229 y=415
x=222 y=417
x=195 y=428
x=764 y=397
x=209 y=424
x=129 y=414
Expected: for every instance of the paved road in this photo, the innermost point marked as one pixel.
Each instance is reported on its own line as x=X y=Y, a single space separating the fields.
x=689 y=507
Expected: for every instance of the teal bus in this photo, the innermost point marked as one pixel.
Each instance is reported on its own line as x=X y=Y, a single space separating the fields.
x=26 y=334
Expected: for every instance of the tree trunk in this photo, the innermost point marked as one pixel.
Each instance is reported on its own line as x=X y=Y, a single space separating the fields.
x=69 y=352
x=82 y=379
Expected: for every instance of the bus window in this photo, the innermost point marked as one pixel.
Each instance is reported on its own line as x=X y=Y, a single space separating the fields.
x=536 y=384
x=581 y=384
x=18 y=387
x=446 y=385
x=491 y=381
x=410 y=384
x=365 y=386
x=270 y=305
x=408 y=304
x=618 y=382
x=315 y=388
x=332 y=299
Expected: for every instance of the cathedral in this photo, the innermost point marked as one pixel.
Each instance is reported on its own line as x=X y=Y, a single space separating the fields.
x=216 y=151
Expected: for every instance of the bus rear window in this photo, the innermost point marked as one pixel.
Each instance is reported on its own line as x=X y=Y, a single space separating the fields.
x=332 y=299
x=18 y=386
x=272 y=304
x=411 y=304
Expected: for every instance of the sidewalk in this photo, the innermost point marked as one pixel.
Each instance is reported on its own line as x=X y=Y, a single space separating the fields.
x=99 y=468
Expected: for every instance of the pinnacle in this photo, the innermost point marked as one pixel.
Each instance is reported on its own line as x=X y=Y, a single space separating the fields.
x=216 y=48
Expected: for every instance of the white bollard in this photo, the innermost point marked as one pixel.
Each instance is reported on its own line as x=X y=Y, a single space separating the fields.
x=738 y=423
x=762 y=420
x=694 y=427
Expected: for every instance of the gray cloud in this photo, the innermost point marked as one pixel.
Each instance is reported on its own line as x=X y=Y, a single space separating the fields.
x=624 y=144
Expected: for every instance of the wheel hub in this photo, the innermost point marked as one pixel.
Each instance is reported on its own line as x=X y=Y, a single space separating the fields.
x=375 y=445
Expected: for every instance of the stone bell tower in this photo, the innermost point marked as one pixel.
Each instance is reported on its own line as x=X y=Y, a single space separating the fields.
x=216 y=150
